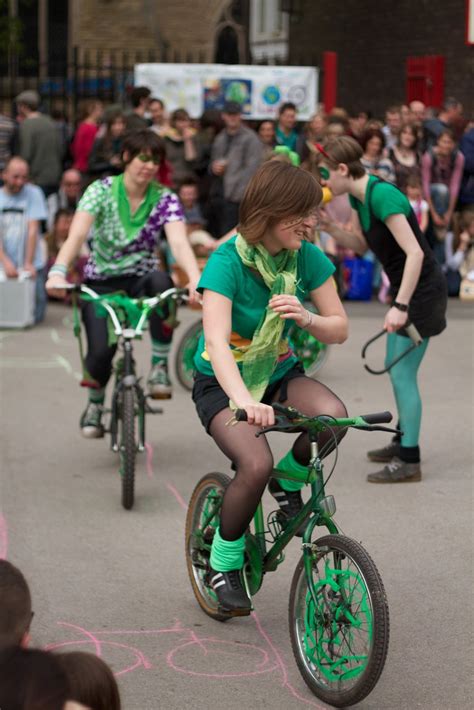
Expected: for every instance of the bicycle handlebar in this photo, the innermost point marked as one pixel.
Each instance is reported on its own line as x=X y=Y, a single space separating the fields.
x=148 y=303
x=290 y=420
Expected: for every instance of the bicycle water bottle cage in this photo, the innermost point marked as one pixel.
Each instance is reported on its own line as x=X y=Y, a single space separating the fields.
x=415 y=338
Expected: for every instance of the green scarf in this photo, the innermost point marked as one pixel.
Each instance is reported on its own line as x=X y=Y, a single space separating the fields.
x=133 y=223
x=279 y=275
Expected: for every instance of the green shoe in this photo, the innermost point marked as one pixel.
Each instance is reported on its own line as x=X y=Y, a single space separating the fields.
x=385 y=454
x=159 y=384
x=91 y=421
x=397 y=471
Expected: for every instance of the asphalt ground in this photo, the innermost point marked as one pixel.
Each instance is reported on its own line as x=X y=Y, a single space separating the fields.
x=115 y=582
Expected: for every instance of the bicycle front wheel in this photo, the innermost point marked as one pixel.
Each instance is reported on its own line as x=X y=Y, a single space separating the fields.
x=184 y=361
x=127 y=447
x=340 y=634
x=202 y=520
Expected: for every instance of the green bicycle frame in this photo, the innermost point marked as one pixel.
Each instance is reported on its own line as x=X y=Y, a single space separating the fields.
x=321 y=507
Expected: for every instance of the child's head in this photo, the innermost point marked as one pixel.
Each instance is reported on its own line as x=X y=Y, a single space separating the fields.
x=188 y=192
x=32 y=679
x=62 y=223
x=91 y=682
x=15 y=607
x=414 y=188
x=467 y=222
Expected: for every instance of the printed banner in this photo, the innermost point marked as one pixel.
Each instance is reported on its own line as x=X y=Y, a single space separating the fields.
x=260 y=90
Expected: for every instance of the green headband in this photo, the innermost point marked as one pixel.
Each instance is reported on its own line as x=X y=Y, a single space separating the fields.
x=284 y=150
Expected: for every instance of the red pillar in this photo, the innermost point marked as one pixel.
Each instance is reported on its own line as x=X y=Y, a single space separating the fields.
x=330 y=80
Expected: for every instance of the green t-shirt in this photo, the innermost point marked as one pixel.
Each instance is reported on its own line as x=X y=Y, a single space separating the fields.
x=226 y=274
x=385 y=200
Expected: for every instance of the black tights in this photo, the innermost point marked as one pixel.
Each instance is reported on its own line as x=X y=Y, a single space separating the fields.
x=252 y=457
x=100 y=354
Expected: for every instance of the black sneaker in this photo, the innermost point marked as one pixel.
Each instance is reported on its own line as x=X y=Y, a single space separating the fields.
x=231 y=593
x=290 y=502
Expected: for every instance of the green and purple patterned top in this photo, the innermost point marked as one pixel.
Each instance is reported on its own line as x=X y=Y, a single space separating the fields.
x=124 y=244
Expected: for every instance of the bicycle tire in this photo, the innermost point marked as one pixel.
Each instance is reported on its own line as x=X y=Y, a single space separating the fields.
x=127 y=448
x=206 y=492
x=321 y=631
x=184 y=359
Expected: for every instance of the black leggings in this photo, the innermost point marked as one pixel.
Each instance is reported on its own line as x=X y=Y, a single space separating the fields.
x=252 y=457
x=100 y=354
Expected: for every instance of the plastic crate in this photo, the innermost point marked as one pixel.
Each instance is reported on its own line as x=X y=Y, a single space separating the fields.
x=358 y=274
x=17 y=303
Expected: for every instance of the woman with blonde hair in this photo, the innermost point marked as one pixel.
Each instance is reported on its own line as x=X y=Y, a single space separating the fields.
x=254 y=287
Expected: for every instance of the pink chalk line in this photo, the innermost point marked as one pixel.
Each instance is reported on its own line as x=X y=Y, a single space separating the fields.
x=3 y=538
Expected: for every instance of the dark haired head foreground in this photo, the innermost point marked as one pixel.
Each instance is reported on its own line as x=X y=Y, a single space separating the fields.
x=15 y=607
x=91 y=682
x=32 y=680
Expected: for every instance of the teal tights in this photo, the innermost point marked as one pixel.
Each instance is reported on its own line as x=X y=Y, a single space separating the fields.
x=405 y=386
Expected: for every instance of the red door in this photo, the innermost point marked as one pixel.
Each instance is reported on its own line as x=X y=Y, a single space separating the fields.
x=425 y=79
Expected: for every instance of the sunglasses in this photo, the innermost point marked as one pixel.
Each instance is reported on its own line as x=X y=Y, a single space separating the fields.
x=145 y=158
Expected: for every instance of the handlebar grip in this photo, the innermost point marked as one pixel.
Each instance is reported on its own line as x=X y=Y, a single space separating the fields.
x=379 y=418
x=240 y=415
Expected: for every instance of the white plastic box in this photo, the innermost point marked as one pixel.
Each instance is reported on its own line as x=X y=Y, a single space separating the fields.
x=17 y=302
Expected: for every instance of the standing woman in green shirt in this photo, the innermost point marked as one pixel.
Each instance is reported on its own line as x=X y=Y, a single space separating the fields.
x=254 y=287
x=383 y=221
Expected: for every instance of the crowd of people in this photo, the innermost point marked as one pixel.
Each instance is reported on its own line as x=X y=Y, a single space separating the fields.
x=403 y=188
x=35 y=679
x=46 y=166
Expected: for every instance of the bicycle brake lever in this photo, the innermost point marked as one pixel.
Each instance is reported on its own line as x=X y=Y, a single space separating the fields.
x=378 y=428
x=278 y=426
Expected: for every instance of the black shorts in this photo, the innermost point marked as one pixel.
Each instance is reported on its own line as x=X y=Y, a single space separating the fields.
x=210 y=398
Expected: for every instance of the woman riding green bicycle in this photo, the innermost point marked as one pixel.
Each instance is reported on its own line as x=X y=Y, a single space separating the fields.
x=253 y=288
x=127 y=213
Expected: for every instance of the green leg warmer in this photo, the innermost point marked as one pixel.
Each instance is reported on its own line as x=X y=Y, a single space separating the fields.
x=405 y=386
x=289 y=464
x=227 y=555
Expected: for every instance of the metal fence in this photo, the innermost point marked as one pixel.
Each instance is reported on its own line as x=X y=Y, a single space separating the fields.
x=108 y=76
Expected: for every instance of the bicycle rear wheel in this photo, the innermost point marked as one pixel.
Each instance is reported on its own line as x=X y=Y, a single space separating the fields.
x=340 y=636
x=310 y=352
x=127 y=447
x=184 y=360
x=201 y=522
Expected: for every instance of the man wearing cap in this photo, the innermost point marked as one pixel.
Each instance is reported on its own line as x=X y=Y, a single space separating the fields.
x=39 y=143
x=236 y=154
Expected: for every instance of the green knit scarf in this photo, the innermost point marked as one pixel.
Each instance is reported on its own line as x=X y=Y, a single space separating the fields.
x=279 y=275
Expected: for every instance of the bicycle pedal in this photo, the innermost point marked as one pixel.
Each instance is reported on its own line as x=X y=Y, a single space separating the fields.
x=234 y=612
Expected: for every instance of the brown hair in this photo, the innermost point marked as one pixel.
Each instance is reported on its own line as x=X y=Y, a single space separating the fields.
x=179 y=114
x=91 y=682
x=413 y=181
x=344 y=149
x=15 y=605
x=409 y=127
x=372 y=133
x=143 y=141
x=32 y=680
x=276 y=192
x=461 y=224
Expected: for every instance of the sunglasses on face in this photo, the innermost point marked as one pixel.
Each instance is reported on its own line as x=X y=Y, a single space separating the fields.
x=148 y=158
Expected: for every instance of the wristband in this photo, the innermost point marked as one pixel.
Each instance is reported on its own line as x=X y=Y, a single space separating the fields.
x=57 y=269
x=309 y=321
x=401 y=306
